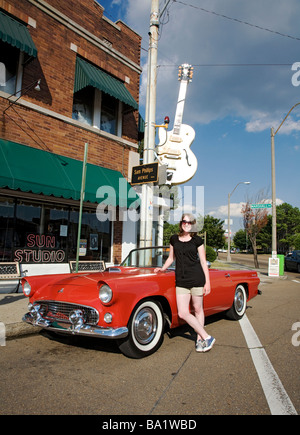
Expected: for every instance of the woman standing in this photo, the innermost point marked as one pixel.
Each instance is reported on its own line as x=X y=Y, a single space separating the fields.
x=192 y=278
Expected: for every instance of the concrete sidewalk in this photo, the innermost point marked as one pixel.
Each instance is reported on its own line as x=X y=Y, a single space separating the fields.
x=13 y=306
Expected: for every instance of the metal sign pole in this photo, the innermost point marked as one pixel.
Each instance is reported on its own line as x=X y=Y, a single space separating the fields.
x=148 y=156
x=81 y=203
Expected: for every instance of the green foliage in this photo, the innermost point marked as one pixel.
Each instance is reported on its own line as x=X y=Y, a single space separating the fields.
x=214 y=232
x=169 y=230
x=211 y=254
x=288 y=226
x=240 y=240
x=296 y=241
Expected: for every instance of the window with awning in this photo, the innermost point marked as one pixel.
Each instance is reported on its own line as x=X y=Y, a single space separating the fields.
x=87 y=74
x=16 y=34
x=100 y=99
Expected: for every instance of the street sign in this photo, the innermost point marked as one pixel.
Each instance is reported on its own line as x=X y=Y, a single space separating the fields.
x=145 y=174
x=261 y=205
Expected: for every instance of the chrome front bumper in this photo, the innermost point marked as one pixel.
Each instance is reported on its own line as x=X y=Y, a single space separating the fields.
x=65 y=328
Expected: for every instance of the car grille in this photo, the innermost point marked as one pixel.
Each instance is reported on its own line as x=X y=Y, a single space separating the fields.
x=60 y=311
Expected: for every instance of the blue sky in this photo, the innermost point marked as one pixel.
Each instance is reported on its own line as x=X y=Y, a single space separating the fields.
x=230 y=104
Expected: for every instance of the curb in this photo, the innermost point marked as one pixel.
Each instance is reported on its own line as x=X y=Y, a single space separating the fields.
x=19 y=329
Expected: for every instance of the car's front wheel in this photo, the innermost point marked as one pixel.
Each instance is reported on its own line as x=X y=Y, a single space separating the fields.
x=146 y=330
x=239 y=305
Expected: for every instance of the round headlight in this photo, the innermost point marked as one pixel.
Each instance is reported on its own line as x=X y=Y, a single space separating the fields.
x=105 y=294
x=26 y=288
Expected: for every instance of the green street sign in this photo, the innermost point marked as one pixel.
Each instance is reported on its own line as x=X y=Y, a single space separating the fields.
x=261 y=205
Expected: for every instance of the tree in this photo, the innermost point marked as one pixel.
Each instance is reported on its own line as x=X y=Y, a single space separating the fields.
x=254 y=221
x=214 y=232
x=296 y=241
x=240 y=240
x=288 y=226
x=288 y=229
x=169 y=230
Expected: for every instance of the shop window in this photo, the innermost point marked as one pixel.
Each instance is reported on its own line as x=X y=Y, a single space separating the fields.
x=28 y=219
x=6 y=228
x=32 y=232
x=95 y=237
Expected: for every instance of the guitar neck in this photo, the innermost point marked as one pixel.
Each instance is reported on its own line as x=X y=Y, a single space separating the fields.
x=180 y=108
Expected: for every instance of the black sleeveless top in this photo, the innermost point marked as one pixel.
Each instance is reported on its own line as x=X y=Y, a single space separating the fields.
x=188 y=272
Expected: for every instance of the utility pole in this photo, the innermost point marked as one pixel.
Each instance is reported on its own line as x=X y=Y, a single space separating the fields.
x=148 y=155
x=274 y=218
x=274 y=224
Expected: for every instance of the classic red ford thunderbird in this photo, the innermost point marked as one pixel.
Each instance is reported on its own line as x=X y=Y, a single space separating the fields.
x=129 y=303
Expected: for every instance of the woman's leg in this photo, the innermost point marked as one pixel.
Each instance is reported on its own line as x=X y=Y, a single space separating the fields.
x=183 y=305
x=199 y=311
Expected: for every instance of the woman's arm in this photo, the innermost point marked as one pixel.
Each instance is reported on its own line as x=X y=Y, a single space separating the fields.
x=168 y=261
x=202 y=256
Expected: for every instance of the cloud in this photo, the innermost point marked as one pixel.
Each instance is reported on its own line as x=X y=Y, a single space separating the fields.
x=259 y=94
x=264 y=121
x=222 y=211
x=236 y=209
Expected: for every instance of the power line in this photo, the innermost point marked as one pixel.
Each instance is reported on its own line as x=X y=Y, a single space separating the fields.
x=237 y=20
x=230 y=65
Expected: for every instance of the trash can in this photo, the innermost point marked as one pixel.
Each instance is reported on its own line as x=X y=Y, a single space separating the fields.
x=281 y=264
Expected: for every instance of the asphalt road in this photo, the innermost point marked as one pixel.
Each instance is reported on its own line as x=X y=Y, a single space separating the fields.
x=45 y=375
x=246 y=259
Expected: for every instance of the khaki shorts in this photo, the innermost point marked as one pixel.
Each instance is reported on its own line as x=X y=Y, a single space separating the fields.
x=194 y=291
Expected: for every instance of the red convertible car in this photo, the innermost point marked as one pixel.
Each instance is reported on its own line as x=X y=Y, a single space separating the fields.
x=129 y=303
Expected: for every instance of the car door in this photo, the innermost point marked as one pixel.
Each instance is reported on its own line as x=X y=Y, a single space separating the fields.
x=222 y=292
x=293 y=262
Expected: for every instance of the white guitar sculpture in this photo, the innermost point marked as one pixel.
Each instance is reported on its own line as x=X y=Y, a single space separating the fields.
x=173 y=149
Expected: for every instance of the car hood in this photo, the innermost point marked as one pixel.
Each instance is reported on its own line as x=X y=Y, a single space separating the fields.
x=83 y=287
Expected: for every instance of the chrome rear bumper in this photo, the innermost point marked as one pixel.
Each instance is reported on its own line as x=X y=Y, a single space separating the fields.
x=66 y=328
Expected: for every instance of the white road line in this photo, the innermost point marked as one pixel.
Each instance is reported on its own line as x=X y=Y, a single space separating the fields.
x=295 y=280
x=277 y=398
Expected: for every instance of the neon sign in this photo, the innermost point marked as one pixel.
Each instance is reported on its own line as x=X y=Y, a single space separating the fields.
x=39 y=254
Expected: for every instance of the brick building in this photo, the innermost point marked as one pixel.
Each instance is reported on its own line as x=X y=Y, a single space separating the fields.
x=68 y=76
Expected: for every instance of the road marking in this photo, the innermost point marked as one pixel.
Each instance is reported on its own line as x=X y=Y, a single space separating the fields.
x=295 y=280
x=277 y=398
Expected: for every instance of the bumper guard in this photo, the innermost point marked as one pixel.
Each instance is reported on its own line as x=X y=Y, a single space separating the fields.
x=63 y=328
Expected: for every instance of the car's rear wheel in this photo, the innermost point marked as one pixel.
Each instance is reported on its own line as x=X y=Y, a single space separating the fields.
x=146 y=330
x=239 y=305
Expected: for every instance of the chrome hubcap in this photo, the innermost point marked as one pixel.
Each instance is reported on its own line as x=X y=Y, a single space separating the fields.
x=145 y=326
x=239 y=301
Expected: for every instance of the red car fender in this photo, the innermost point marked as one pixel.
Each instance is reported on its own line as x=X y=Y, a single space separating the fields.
x=160 y=287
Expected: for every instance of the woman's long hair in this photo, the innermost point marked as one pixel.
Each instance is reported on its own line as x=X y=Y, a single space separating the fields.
x=191 y=218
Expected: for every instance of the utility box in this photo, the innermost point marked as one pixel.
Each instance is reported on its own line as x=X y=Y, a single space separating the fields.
x=281 y=264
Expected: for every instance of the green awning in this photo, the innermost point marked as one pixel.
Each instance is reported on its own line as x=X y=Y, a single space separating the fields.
x=16 y=34
x=32 y=170
x=87 y=74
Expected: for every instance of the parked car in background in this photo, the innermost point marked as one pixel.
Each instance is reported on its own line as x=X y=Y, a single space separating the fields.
x=130 y=303
x=292 y=261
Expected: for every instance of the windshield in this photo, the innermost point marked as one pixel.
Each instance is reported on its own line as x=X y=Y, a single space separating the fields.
x=147 y=257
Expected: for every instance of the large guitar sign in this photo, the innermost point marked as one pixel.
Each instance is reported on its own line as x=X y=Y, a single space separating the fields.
x=173 y=149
